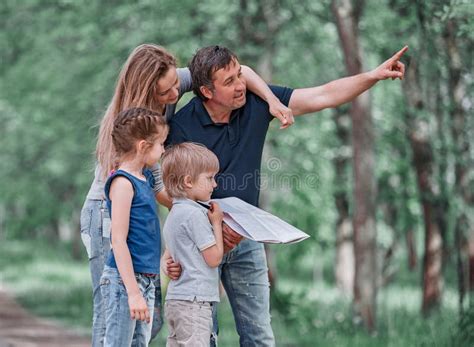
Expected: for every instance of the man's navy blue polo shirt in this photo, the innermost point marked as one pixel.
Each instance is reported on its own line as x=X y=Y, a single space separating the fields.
x=238 y=144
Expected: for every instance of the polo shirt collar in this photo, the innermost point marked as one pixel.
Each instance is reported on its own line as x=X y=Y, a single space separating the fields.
x=204 y=116
x=202 y=113
x=186 y=201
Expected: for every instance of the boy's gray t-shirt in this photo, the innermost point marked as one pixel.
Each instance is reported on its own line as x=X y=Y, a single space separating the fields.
x=188 y=232
x=96 y=191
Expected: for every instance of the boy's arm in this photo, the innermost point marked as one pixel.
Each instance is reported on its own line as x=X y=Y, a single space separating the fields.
x=121 y=194
x=213 y=255
x=258 y=86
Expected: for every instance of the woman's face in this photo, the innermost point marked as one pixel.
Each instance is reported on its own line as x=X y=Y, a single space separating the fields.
x=168 y=87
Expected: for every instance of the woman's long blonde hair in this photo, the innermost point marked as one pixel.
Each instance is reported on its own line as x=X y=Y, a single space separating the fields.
x=136 y=87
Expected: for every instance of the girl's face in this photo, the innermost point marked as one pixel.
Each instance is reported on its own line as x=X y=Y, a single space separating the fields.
x=154 y=153
x=168 y=88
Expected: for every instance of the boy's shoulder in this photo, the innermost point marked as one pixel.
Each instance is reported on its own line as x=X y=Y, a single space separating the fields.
x=187 y=211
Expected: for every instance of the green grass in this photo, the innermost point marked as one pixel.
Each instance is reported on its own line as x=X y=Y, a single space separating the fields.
x=48 y=282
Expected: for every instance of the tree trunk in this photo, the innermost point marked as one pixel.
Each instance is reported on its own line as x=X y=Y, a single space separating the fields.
x=411 y=250
x=464 y=225
x=423 y=160
x=363 y=163
x=345 y=262
x=406 y=214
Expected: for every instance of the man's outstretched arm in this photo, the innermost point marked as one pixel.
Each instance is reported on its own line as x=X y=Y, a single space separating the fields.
x=338 y=92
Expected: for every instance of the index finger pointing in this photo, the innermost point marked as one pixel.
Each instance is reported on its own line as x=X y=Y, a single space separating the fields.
x=400 y=53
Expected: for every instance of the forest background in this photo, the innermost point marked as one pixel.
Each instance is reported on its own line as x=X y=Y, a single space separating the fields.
x=384 y=186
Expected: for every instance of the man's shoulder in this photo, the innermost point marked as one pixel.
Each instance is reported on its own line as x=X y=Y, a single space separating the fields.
x=281 y=92
x=186 y=111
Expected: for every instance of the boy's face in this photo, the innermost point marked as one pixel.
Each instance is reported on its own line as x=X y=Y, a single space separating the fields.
x=203 y=187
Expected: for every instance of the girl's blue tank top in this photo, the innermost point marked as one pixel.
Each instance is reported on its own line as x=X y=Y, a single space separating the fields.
x=143 y=238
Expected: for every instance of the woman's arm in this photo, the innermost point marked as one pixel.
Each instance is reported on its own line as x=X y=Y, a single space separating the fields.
x=121 y=194
x=185 y=80
x=164 y=199
x=258 y=86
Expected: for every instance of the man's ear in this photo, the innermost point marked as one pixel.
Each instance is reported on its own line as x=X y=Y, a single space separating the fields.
x=206 y=92
x=188 y=182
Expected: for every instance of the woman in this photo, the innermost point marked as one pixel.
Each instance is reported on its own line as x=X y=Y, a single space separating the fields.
x=149 y=79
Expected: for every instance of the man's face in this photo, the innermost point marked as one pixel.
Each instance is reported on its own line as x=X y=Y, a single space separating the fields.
x=229 y=87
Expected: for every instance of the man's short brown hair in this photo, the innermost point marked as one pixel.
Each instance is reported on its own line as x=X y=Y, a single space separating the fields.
x=205 y=62
x=186 y=159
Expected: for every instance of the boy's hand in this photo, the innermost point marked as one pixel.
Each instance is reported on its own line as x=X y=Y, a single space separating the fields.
x=138 y=307
x=215 y=213
x=230 y=238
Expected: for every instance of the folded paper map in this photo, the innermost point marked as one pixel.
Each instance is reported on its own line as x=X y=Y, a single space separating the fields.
x=256 y=224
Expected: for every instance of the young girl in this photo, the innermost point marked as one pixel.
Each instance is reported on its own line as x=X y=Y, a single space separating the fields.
x=127 y=283
x=149 y=79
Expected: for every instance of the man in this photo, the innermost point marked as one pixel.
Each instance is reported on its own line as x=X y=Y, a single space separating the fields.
x=233 y=124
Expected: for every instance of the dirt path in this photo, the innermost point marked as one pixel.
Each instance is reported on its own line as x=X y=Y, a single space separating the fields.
x=18 y=328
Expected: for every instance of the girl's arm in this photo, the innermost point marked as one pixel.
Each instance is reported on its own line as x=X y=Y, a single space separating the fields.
x=258 y=86
x=121 y=194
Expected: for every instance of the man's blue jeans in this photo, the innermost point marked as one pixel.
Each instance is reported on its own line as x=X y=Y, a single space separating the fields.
x=121 y=330
x=95 y=222
x=244 y=274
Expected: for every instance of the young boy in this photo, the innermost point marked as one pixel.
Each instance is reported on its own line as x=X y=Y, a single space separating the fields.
x=193 y=236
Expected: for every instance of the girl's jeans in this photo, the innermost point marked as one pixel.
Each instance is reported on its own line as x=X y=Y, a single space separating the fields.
x=121 y=330
x=95 y=234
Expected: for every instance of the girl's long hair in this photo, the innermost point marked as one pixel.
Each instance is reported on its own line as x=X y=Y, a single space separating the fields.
x=136 y=87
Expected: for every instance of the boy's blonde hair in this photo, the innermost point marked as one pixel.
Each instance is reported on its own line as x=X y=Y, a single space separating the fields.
x=186 y=159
